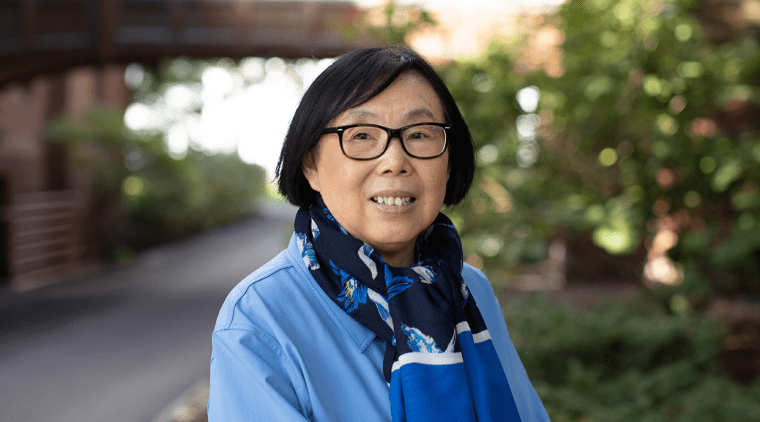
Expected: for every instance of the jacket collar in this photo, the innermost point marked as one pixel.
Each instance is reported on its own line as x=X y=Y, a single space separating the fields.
x=359 y=335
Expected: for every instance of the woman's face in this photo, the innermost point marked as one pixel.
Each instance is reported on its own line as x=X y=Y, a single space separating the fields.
x=351 y=188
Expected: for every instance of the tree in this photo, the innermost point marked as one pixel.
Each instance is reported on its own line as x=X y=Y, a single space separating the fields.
x=650 y=130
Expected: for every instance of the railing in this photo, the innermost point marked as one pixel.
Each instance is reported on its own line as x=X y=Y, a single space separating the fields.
x=46 y=236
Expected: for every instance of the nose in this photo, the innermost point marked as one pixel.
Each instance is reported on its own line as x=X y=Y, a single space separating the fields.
x=395 y=159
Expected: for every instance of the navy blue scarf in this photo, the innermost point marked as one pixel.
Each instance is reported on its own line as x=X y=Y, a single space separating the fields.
x=440 y=362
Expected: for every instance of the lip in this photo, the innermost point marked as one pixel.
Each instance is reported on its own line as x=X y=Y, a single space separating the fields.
x=393 y=194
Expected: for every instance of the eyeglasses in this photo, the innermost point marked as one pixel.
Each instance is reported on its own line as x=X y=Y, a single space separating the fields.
x=367 y=141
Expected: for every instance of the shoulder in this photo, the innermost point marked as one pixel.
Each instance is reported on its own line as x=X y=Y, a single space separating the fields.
x=479 y=286
x=261 y=292
x=252 y=341
x=281 y=303
x=473 y=275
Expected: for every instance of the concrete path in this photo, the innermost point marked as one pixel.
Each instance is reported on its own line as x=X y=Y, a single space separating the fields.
x=123 y=344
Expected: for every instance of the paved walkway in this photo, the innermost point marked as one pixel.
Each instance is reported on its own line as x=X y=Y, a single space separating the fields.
x=123 y=344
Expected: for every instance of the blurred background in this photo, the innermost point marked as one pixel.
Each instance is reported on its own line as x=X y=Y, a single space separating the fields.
x=615 y=208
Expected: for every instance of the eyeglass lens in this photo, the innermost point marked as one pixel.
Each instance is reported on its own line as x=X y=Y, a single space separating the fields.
x=421 y=141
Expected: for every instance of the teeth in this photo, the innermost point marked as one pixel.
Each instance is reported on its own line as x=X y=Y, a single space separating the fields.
x=390 y=200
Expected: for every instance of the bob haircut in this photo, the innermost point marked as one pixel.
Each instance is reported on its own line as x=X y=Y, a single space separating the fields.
x=350 y=81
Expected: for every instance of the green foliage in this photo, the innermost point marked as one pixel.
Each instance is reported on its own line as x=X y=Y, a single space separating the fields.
x=160 y=196
x=173 y=197
x=627 y=362
x=95 y=144
x=649 y=121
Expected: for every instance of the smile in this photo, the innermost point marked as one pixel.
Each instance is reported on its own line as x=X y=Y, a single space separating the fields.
x=391 y=200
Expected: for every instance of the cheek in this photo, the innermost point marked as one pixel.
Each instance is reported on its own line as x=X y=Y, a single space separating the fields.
x=442 y=188
x=341 y=181
x=441 y=177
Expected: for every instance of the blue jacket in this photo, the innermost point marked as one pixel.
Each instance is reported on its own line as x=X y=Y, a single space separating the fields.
x=283 y=351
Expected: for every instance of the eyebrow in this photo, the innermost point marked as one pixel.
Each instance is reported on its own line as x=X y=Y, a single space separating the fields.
x=362 y=114
x=419 y=112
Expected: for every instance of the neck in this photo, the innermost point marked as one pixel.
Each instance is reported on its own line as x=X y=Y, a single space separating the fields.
x=402 y=258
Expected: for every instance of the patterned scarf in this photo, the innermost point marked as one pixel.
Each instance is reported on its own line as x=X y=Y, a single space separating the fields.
x=440 y=362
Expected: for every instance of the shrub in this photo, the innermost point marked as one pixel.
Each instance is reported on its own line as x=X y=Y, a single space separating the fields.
x=627 y=362
x=143 y=195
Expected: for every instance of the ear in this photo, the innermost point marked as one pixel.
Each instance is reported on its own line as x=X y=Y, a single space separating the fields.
x=310 y=171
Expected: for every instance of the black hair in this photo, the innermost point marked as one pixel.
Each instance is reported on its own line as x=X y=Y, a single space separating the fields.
x=348 y=82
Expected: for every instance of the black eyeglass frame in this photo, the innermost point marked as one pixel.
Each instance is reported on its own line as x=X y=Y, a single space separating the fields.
x=392 y=133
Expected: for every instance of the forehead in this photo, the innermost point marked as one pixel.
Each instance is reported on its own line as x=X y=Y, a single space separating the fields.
x=409 y=98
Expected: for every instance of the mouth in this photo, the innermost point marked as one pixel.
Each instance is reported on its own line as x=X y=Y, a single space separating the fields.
x=398 y=201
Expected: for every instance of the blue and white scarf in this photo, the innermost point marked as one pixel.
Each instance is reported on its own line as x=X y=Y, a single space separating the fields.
x=440 y=362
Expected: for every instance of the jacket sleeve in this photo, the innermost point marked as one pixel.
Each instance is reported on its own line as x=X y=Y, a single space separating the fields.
x=252 y=379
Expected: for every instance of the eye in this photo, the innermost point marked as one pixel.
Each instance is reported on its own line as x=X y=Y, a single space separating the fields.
x=361 y=136
x=423 y=133
x=418 y=135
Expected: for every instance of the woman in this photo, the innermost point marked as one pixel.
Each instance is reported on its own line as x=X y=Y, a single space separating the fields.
x=370 y=313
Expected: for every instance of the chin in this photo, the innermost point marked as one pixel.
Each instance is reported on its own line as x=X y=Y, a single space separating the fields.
x=392 y=244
